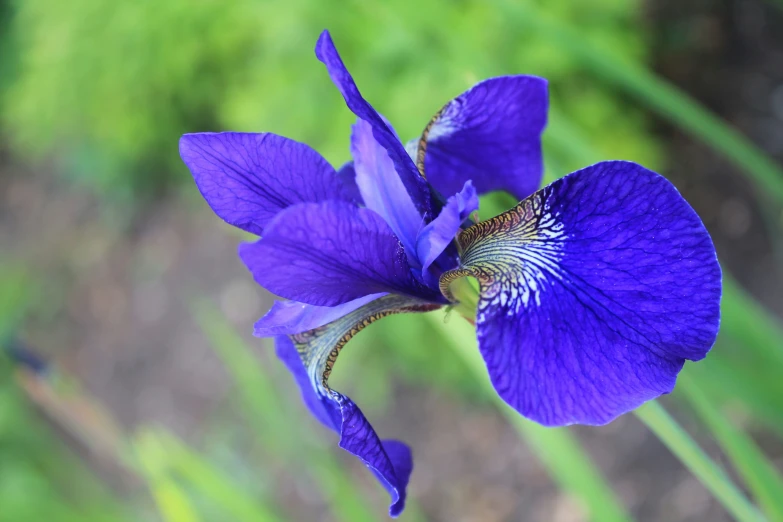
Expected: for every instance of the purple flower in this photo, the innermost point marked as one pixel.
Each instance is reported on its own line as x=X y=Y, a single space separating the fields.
x=594 y=290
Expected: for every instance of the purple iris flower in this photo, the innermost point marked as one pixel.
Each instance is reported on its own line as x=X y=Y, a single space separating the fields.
x=593 y=291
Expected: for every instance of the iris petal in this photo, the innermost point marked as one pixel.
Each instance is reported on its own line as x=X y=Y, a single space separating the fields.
x=441 y=231
x=490 y=134
x=329 y=253
x=321 y=407
x=417 y=187
x=382 y=189
x=290 y=317
x=347 y=175
x=594 y=292
x=310 y=357
x=248 y=178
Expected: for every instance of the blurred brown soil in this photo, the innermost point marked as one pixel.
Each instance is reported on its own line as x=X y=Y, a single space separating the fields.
x=728 y=54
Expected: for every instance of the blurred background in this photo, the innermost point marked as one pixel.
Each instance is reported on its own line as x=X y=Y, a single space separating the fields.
x=152 y=401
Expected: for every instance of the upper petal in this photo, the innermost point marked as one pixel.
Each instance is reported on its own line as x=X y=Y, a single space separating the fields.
x=247 y=178
x=416 y=186
x=594 y=291
x=441 y=231
x=382 y=189
x=330 y=253
x=310 y=356
x=490 y=134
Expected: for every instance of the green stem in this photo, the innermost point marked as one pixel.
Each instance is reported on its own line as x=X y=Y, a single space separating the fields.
x=753 y=466
x=693 y=457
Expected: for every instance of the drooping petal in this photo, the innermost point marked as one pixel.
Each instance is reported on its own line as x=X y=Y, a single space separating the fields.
x=382 y=189
x=247 y=178
x=310 y=356
x=416 y=186
x=322 y=407
x=594 y=291
x=329 y=253
x=390 y=460
x=290 y=317
x=490 y=134
x=441 y=231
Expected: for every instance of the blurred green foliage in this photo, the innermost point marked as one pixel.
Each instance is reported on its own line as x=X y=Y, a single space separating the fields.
x=40 y=478
x=107 y=88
